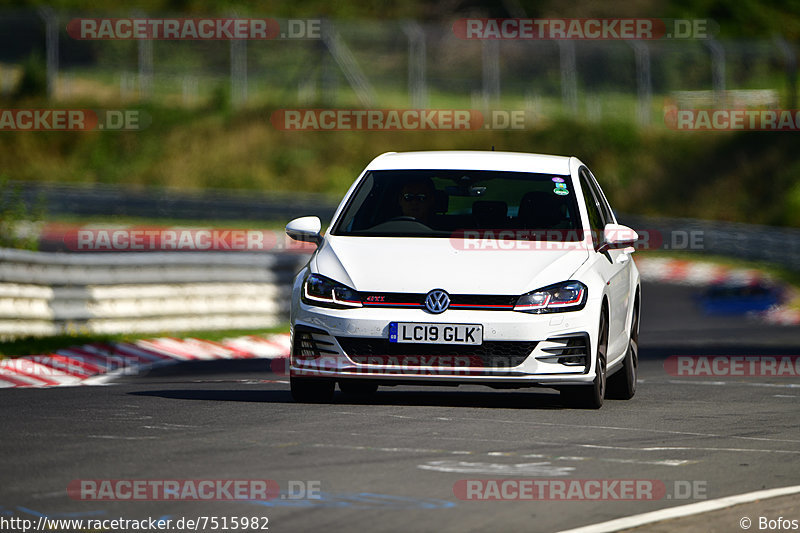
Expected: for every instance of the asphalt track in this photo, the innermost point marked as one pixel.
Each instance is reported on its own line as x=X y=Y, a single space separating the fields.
x=390 y=464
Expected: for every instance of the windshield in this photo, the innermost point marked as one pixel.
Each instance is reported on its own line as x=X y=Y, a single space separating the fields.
x=441 y=203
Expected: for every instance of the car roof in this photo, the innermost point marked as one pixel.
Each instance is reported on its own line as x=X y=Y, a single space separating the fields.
x=472 y=160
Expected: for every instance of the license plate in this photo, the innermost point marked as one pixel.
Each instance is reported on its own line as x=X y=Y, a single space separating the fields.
x=429 y=333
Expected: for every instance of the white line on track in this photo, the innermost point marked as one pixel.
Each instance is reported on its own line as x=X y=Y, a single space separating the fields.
x=625 y=448
x=119 y=437
x=683 y=448
x=683 y=510
x=632 y=430
x=585 y=426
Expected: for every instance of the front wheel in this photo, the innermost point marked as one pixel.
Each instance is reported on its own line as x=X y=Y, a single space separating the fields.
x=622 y=385
x=312 y=390
x=591 y=396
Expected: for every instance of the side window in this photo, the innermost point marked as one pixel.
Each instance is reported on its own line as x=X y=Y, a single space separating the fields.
x=350 y=223
x=600 y=198
x=596 y=222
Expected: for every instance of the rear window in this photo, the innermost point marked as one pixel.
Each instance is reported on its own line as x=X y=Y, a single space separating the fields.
x=439 y=203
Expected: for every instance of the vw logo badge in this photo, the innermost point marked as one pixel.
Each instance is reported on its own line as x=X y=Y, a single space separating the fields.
x=437 y=301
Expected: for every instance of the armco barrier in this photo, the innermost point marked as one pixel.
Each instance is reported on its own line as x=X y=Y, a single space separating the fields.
x=779 y=245
x=49 y=293
x=115 y=200
x=770 y=244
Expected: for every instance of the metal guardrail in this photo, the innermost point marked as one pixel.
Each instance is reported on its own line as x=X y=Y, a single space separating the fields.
x=50 y=293
x=770 y=244
x=112 y=200
x=746 y=241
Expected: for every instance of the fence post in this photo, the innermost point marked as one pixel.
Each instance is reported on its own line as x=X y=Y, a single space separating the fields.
x=490 y=54
x=644 y=85
x=569 y=81
x=238 y=73
x=791 y=70
x=347 y=63
x=717 y=69
x=329 y=82
x=417 y=63
x=145 y=64
x=51 y=45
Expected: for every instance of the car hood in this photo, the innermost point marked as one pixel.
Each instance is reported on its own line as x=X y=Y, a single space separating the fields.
x=418 y=265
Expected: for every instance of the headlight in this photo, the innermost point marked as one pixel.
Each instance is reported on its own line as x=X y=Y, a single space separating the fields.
x=558 y=298
x=324 y=292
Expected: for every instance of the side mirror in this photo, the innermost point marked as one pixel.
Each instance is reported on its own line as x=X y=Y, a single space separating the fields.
x=305 y=229
x=617 y=236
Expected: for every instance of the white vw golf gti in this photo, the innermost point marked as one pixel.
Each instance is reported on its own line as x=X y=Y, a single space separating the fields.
x=494 y=268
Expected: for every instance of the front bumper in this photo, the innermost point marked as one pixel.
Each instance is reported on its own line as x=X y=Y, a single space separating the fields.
x=519 y=349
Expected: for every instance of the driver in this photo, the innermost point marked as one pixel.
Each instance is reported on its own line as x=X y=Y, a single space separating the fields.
x=416 y=200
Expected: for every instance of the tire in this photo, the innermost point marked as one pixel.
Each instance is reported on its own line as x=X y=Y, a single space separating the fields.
x=591 y=396
x=312 y=390
x=622 y=385
x=358 y=387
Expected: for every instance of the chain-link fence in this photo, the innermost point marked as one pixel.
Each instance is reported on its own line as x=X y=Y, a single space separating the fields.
x=396 y=64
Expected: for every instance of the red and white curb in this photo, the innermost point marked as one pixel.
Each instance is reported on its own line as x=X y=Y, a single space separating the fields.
x=701 y=274
x=696 y=272
x=83 y=365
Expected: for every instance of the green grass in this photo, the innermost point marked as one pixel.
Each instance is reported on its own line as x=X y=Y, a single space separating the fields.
x=734 y=176
x=47 y=345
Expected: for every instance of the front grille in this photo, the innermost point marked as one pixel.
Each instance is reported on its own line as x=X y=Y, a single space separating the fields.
x=572 y=350
x=486 y=302
x=490 y=354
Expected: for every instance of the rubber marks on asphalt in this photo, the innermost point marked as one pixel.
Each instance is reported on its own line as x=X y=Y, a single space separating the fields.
x=82 y=365
x=498 y=469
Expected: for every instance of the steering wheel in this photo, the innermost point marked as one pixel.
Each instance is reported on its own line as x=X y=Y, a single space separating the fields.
x=402 y=218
